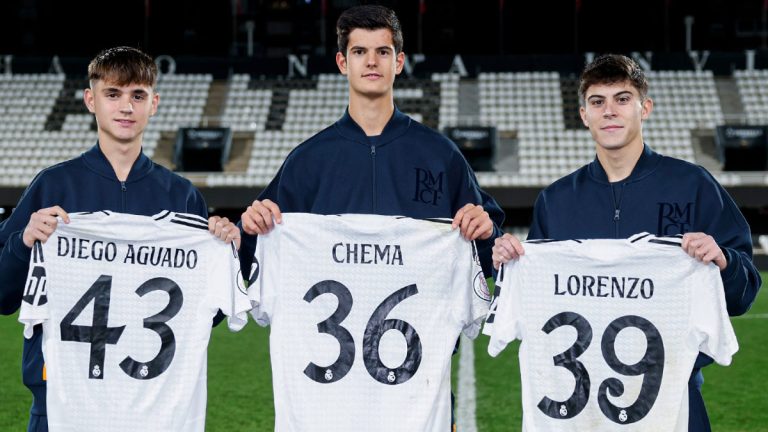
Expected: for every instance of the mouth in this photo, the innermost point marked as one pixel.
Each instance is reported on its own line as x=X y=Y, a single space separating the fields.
x=611 y=128
x=372 y=76
x=125 y=122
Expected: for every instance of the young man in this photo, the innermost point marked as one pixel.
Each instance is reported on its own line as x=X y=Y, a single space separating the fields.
x=629 y=189
x=113 y=175
x=375 y=159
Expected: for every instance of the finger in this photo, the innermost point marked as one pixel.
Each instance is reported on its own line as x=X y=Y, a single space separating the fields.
x=274 y=209
x=264 y=219
x=711 y=256
x=459 y=216
x=471 y=229
x=62 y=214
x=223 y=228
x=469 y=219
x=212 y=224
x=252 y=219
x=247 y=221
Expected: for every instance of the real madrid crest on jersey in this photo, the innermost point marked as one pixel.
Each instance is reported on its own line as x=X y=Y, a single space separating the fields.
x=126 y=304
x=360 y=309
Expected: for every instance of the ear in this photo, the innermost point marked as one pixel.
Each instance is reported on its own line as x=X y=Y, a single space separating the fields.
x=583 y=115
x=155 y=102
x=341 y=62
x=647 y=108
x=400 y=62
x=88 y=99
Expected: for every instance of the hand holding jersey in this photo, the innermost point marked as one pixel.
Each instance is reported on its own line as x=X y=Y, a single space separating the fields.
x=472 y=220
x=652 y=309
x=364 y=319
x=698 y=245
x=136 y=359
x=43 y=223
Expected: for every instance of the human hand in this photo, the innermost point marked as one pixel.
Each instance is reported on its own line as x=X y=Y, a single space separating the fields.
x=474 y=222
x=257 y=217
x=704 y=248
x=505 y=249
x=42 y=224
x=225 y=230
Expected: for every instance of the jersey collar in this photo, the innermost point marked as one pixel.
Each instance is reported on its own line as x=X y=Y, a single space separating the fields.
x=396 y=126
x=647 y=163
x=95 y=160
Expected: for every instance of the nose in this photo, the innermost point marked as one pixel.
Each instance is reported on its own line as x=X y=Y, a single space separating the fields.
x=371 y=59
x=608 y=109
x=126 y=106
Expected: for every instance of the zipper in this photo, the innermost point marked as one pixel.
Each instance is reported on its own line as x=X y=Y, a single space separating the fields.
x=373 y=171
x=123 y=189
x=617 y=207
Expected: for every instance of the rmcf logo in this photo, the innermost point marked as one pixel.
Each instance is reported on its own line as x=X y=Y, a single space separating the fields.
x=429 y=187
x=674 y=218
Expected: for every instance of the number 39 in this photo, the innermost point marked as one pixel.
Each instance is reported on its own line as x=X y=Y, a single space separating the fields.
x=375 y=329
x=651 y=366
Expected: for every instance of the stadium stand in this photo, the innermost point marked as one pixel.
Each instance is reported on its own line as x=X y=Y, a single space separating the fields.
x=535 y=114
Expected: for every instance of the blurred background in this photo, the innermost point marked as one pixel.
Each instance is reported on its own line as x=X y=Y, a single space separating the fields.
x=274 y=28
x=245 y=81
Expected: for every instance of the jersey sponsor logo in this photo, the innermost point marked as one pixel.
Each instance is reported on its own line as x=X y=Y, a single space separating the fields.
x=674 y=218
x=35 y=293
x=481 y=287
x=429 y=187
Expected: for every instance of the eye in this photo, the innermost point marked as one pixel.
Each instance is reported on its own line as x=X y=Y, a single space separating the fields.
x=624 y=100
x=357 y=51
x=383 y=53
x=596 y=102
x=139 y=97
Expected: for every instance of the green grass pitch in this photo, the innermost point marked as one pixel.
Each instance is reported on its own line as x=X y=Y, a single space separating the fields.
x=240 y=387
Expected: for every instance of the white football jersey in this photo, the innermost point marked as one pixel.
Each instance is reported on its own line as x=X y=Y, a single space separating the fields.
x=365 y=312
x=610 y=331
x=127 y=303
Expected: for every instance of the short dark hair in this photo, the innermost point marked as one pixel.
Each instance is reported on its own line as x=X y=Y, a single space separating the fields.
x=610 y=69
x=368 y=17
x=123 y=65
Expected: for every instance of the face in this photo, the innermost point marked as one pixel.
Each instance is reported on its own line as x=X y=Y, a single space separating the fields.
x=122 y=112
x=371 y=63
x=614 y=114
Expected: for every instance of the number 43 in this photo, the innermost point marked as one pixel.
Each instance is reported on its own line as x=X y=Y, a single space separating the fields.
x=98 y=334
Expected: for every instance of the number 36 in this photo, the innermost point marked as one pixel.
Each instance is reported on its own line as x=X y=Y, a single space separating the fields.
x=377 y=326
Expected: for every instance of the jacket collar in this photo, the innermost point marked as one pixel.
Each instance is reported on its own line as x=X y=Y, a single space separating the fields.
x=95 y=159
x=396 y=126
x=647 y=163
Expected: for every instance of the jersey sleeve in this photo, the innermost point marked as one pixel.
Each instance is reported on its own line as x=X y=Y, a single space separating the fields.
x=231 y=295
x=34 y=303
x=504 y=321
x=475 y=301
x=711 y=328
